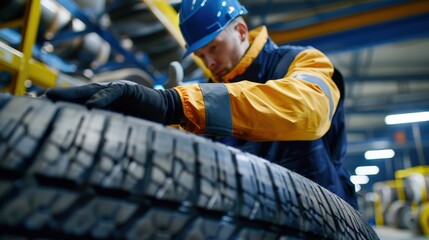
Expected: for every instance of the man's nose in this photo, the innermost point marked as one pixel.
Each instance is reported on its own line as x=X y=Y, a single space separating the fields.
x=211 y=63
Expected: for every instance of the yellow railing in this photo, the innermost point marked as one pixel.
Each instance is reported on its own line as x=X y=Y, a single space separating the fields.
x=19 y=61
x=24 y=67
x=378 y=205
x=168 y=16
x=401 y=174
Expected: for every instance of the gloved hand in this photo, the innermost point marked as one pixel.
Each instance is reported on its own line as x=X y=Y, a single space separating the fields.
x=162 y=106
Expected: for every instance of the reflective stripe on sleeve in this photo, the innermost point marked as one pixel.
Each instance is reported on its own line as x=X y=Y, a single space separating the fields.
x=319 y=82
x=218 y=108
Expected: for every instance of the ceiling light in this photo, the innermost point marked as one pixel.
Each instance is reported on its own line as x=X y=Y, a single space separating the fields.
x=379 y=154
x=359 y=179
x=357 y=187
x=367 y=170
x=406 y=118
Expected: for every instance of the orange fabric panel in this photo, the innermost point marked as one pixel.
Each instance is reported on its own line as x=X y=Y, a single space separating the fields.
x=193 y=108
x=288 y=108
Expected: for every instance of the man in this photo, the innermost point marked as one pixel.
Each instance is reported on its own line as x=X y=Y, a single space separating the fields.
x=284 y=104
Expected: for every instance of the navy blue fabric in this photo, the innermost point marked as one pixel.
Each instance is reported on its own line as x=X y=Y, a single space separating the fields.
x=319 y=160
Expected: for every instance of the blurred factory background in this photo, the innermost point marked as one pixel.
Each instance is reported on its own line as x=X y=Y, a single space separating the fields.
x=381 y=48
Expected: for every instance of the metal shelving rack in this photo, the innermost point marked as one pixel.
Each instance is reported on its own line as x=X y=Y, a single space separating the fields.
x=20 y=61
x=24 y=66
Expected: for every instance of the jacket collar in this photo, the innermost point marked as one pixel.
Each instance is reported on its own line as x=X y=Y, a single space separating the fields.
x=257 y=37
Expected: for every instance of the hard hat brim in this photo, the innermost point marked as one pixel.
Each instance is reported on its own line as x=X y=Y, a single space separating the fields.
x=201 y=43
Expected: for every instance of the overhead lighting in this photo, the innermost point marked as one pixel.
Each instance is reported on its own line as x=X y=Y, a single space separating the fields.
x=406 y=118
x=78 y=25
x=379 y=154
x=359 y=179
x=357 y=187
x=367 y=170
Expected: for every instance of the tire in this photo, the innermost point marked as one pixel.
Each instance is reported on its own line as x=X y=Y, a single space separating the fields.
x=391 y=215
x=70 y=173
x=400 y=215
x=406 y=218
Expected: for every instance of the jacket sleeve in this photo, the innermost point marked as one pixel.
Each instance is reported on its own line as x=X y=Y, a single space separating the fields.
x=298 y=106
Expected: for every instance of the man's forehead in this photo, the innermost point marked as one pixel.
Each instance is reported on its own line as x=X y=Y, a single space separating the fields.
x=220 y=37
x=203 y=49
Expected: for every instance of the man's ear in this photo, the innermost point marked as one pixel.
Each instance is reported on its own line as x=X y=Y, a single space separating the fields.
x=241 y=27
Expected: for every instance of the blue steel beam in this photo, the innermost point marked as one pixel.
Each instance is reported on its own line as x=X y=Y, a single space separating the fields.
x=411 y=102
x=299 y=15
x=383 y=78
x=397 y=22
x=377 y=34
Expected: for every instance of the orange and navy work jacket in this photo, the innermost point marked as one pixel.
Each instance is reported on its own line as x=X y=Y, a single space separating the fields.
x=282 y=103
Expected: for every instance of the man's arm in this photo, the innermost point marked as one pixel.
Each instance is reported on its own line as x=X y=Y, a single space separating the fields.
x=298 y=106
x=162 y=106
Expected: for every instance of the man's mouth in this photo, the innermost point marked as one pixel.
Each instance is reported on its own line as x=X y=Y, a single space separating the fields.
x=219 y=74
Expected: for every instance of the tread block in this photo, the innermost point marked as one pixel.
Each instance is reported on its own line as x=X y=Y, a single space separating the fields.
x=208 y=170
x=71 y=148
x=36 y=207
x=173 y=167
x=257 y=192
x=123 y=156
x=256 y=234
x=326 y=215
x=318 y=212
x=100 y=218
x=203 y=228
x=158 y=224
x=343 y=230
x=23 y=122
x=227 y=179
x=217 y=185
x=288 y=210
x=305 y=203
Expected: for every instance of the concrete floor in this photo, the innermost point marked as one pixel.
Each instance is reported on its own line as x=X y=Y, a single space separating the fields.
x=388 y=233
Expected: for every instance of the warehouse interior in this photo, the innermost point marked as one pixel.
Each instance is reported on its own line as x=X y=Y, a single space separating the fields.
x=380 y=47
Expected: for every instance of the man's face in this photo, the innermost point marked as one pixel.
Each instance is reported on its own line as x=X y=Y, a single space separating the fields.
x=223 y=53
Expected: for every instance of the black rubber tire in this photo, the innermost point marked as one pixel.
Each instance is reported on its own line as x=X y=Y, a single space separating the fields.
x=399 y=215
x=406 y=218
x=391 y=214
x=70 y=173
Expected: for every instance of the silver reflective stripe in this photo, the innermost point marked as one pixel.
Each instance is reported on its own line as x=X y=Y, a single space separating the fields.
x=319 y=82
x=218 y=109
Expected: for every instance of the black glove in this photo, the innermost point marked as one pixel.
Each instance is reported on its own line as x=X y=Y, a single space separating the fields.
x=162 y=106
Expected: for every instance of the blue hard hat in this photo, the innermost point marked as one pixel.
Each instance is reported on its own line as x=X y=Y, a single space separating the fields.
x=202 y=20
